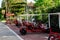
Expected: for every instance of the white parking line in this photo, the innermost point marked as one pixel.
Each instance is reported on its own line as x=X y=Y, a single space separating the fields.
x=14 y=33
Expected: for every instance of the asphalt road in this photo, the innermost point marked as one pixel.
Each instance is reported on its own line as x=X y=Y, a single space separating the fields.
x=7 y=34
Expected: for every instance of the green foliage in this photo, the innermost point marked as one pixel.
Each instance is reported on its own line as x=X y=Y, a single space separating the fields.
x=1 y=16
x=44 y=5
x=15 y=6
x=47 y=6
x=41 y=7
x=54 y=10
x=18 y=8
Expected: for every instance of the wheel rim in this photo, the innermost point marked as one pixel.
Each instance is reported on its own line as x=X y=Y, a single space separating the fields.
x=52 y=38
x=23 y=32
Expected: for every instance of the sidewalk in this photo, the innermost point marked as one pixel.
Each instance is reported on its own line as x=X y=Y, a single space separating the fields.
x=7 y=34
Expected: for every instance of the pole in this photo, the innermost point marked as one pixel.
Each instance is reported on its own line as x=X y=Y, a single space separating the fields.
x=27 y=10
x=5 y=9
x=6 y=4
x=49 y=19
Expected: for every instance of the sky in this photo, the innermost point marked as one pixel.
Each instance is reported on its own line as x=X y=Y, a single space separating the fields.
x=28 y=1
x=0 y=3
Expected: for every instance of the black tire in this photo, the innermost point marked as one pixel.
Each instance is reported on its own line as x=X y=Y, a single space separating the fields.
x=23 y=32
x=49 y=38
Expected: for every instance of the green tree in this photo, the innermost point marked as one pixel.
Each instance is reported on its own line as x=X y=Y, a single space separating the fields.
x=44 y=5
x=17 y=7
x=56 y=8
x=47 y=6
x=1 y=14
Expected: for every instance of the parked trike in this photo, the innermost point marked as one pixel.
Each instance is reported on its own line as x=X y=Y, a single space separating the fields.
x=30 y=27
x=27 y=26
x=54 y=34
x=54 y=24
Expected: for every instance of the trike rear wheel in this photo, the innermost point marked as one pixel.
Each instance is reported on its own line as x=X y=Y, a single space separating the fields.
x=23 y=31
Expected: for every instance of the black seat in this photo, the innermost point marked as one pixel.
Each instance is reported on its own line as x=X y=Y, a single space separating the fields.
x=55 y=30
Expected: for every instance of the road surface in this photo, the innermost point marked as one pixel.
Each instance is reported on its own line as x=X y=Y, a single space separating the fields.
x=7 y=34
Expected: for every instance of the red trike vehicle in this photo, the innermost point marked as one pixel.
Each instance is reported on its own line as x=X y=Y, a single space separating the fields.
x=31 y=23
x=30 y=27
x=54 y=27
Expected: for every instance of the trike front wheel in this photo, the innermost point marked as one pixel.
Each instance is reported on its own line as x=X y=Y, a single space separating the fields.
x=51 y=37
